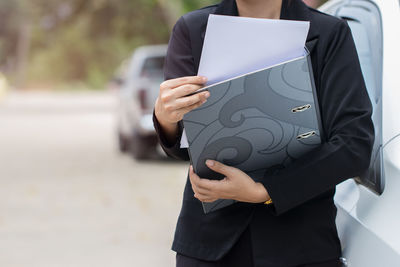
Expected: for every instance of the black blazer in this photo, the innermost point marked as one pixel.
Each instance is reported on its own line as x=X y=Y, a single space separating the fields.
x=300 y=226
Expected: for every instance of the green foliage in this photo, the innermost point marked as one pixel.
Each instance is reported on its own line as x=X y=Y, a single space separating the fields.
x=89 y=45
x=80 y=41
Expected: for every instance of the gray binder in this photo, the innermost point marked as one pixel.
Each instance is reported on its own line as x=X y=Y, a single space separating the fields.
x=259 y=122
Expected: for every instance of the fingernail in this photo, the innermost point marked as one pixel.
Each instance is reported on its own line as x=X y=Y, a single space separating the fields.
x=207 y=94
x=204 y=79
x=210 y=162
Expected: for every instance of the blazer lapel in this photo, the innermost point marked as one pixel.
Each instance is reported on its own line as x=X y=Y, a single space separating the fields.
x=310 y=44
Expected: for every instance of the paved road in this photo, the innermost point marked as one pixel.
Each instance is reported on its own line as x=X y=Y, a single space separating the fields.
x=68 y=198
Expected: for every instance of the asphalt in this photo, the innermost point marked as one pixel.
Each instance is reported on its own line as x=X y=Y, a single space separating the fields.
x=69 y=198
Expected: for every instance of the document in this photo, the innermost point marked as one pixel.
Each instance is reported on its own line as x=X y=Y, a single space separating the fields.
x=184 y=141
x=234 y=46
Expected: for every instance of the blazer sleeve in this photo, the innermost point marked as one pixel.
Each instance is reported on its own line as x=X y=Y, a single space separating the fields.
x=346 y=120
x=179 y=62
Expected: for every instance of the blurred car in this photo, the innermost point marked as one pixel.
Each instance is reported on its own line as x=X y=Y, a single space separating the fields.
x=368 y=216
x=139 y=88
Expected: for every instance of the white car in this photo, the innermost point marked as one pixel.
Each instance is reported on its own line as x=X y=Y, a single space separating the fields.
x=368 y=217
x=139 y=88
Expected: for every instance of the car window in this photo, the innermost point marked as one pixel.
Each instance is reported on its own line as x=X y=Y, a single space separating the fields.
x=364 y=20
x=153 y=68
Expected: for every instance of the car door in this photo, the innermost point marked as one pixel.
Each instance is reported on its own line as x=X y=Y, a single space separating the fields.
x=366 y=204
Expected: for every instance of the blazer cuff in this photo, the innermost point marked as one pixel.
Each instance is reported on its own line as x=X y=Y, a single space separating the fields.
x=161 y=135
x=278 y=205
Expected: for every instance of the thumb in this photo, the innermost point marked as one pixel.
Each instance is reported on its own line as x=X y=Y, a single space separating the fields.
x=219 y=167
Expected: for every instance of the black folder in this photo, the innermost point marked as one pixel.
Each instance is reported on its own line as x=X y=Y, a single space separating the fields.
x=259 y=122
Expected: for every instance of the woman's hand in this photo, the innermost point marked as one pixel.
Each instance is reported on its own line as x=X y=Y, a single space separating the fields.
x=236 y=185
x=173 y=101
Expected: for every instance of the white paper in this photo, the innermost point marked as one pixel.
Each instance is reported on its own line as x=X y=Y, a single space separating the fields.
x=235 y=45
x=184 y=141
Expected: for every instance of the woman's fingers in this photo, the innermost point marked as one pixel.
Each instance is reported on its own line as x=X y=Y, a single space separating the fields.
x=175 y=115
x=194 y=180
x=187 y=101
x=182 y=111
x=202 y=191
x=185 y=110
x=221 y=168
x=173 y=83
x=207 y=186
x=176 y=99
x=185 y=90
x=204 y=198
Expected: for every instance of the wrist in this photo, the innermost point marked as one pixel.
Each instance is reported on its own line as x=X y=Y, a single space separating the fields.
x=262 y=193
x=169 y=128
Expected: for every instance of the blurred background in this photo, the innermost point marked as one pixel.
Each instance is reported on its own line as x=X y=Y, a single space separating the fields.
x=82 y=179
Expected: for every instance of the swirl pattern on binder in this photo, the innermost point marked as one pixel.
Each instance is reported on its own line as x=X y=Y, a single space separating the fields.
x=248 y=122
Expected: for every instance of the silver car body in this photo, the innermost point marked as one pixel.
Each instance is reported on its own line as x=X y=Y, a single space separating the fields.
x=368 y=218
x=132 y=119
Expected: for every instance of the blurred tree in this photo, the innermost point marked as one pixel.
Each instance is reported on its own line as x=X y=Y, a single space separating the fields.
x=80 y=41
x=52 y=42
x=74 y=40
